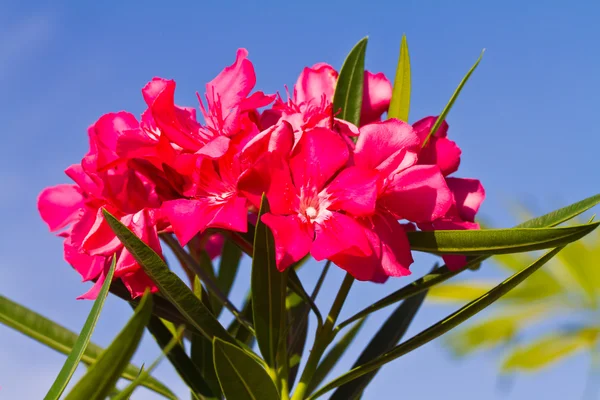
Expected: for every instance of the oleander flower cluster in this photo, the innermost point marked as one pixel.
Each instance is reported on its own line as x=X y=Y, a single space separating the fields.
x=336 y=191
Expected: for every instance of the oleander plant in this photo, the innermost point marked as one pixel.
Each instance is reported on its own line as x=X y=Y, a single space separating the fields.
x=332 y=172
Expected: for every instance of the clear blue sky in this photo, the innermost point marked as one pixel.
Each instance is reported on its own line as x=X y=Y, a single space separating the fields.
x=526 y=123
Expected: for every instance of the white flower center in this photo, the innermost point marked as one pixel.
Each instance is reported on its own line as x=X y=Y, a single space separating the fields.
x=311 y=212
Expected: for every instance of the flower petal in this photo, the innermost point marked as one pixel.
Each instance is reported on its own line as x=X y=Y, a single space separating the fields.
x=442 y=152
x=293 y=238
x=233 y=84
x=354 y=190
x=340 y=234
x=315 y=83
x=423 y=126
x=60 y=205
x=317 y=156
x=418 y=194
x=377 y=93
x=385 y=146
x=468 y=196
x=188 y=217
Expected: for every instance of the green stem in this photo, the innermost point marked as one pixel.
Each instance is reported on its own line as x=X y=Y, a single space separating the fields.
x=322 y=339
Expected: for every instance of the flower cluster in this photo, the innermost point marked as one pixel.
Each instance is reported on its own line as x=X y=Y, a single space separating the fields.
x=336 y=191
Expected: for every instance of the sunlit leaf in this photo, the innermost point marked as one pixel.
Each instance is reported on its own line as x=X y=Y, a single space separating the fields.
x=439 y=328
x=400 y=102
x=550 y=349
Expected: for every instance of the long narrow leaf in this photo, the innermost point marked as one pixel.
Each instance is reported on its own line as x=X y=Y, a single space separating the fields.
x=186 y=369
x=400 y=102
x=126 y=393
x=72 y=362
x=333 y=356
x=385 y=339
x=268 y=290
x=496 y=241
x=61 y=339
x=442 y=274
x=241 y=377
x=349 y=87
x=439 y=328
x=102 y=376
x=448 y=107
x=169 y=283
x=228 y=268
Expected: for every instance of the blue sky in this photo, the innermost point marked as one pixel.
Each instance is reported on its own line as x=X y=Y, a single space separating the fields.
x=526 y=123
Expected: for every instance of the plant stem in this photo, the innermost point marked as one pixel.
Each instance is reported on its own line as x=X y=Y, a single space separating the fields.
x=323 y=337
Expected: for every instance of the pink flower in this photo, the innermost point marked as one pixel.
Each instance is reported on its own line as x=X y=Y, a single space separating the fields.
x=406 y=191
x=311 y=103
x=313 y=197
x=467 y=194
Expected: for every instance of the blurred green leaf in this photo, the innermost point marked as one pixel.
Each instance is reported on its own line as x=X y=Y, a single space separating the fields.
x=496 y=241
x=333 y=356
x=439 y=328
x=61 y=339
x=349 y=87
x=184 y=366
x=228 y=268
x=268 y=290
x=400 y=102
x=384 y=340
x=126 y=393
x=169 y=283
x=459 y=291
x=297 y=311
x=448 y=107
x=72 y=362
x=102 y=376
x=550 y=349
x=241 y=377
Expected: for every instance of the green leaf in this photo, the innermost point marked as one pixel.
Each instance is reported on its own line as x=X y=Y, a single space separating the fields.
x=268 y=290
x=333 y=356
x=297 y=311
x=576 y=261
x=349 y=87
x=102 y=376
x=448 y=107
x=400 y=103
x=186 y=369
x=497 y=330
x=439 y=328
x=550 y=349
x=460 y=291
x=126 y=393
x=496 y=241
x=228 y=268
x=561 y=215
x=169 y=283
x=61 y=339
x=241 y=377
x=385 y=339
x=72 y=362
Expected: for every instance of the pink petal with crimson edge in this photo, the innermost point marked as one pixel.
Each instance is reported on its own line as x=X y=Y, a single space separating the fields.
x=380 y=142
x=315 y=83
x=468 y=196
x=317 y=156
x=293 y=238
x=345 y=128
x=269 y=118
x=137 y=283
x=278 y=138
x=100 y=239
x=233 y=84
x=176 y=124
x=214 y=245
x=60 y=205
x=89 y=267
x=354 y=190
x=394 y=248
x=423 y=126
x=126 y=264
x=377 y=93
x=231 y=215
x=417 y=194
x=256 y=100
x=340 y=234
x=83 y=180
